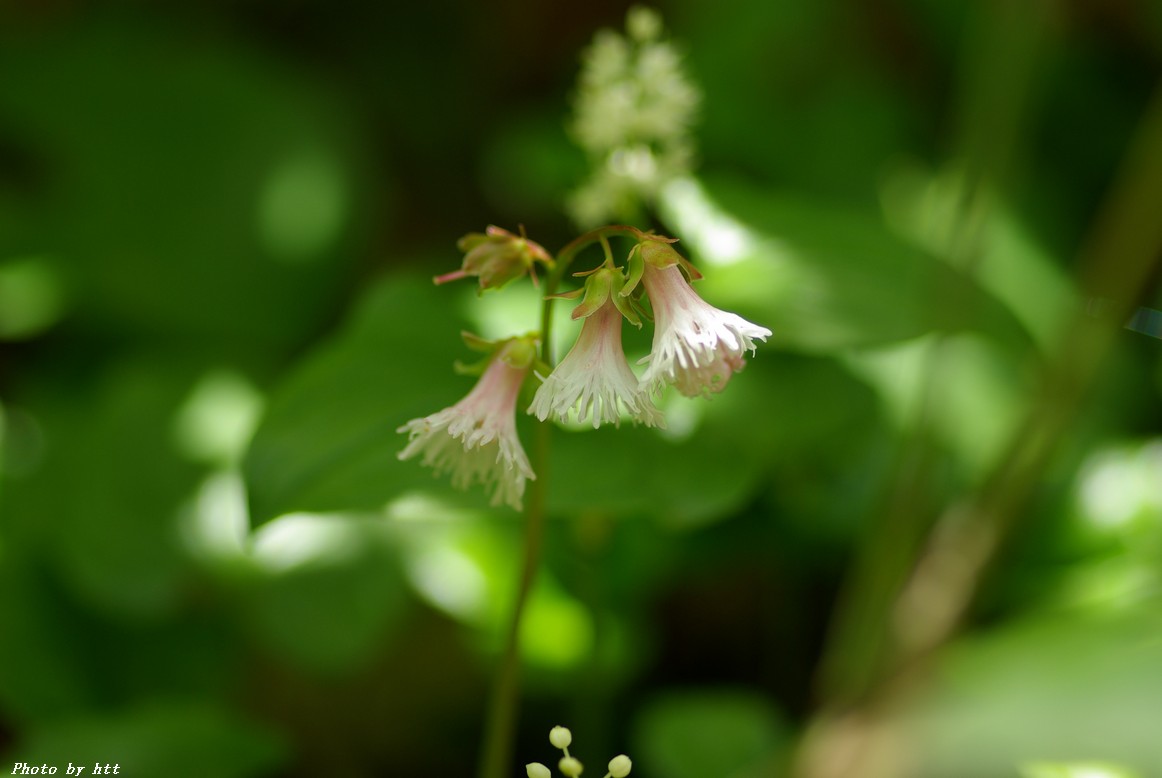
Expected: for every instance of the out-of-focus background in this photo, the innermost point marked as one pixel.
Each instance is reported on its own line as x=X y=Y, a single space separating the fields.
x=218 y=224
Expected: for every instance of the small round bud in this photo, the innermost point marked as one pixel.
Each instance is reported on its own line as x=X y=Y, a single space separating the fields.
x=619 y=766
x=643 y=24
x=560 y=737
x=569 y=766
x=537 y=770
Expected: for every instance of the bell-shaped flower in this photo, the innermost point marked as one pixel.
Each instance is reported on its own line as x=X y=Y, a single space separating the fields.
x=496 y=256
x=594 y=379
x=696 y=346
x=475 y=440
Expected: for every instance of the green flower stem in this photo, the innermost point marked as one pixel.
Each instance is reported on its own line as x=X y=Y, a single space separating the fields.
x=500 y=726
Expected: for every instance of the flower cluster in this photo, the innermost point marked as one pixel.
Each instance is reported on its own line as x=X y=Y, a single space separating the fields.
x=633 y=113
x=570 y=766
x=697 y=348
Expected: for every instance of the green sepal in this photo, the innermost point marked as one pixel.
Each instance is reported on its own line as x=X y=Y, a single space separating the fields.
x=662 y=255
x=541 y=370
x=639 y=301
x=658 y=253
x=620 y=301
x=583 y=273
x=521 y=351
x=688 y=269
x=637 y=268
x=476 y=368
x=479 y=344
x=597 y=290
x=625 y=307
x=570 y=295
x=471 y=241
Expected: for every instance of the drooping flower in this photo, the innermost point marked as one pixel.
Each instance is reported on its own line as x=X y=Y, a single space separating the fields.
x=594 y=378
x=475 y=439
x=696 y=346
x=497 y=256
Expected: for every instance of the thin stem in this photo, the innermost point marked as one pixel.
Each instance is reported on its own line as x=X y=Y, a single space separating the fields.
x=500 y=730
x=608 y=251
x=500 y=727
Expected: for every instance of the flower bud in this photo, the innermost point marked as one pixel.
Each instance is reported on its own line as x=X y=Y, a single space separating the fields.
x=496 y=256
x=643 y=24
x=560 y=737
x=569 y=766
x=537 y=770
x=519 y=352
x=619 y=766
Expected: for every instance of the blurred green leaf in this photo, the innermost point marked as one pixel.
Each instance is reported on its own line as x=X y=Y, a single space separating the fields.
x=329 y=440
x=102 y=502
x=528 y=165
x=58 y=657
x=1014 y=264
x=724 y=733
x=819 y=112
x=716 y=451
x=40 y=675
x=975 y=388
x=332 y=594
x=31 y=298
x=1075 y=770
x=157 y=738
x=182 y=184
x=1080 y=689
x=824 y=277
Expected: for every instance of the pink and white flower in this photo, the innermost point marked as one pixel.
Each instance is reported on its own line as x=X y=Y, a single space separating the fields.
x=595 y=378
x=475 y=439
x=696 y=347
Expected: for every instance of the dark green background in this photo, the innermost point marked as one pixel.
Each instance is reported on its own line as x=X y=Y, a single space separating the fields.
x=218 y=212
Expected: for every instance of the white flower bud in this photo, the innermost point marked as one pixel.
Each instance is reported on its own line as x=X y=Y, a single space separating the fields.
x=619 y=766
x=569 y=766
x=643 y=24
x=560 y=737
x=537 y=770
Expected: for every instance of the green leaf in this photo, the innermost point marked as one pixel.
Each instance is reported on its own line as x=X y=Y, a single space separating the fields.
x=184 y=186
x=329 y=441
x=721 y=732
x=717 y=452
x=102 y=503
x=40 y=676
x=824 y=277
x=327 y=612
x=1080 y=689
x=157 y=738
